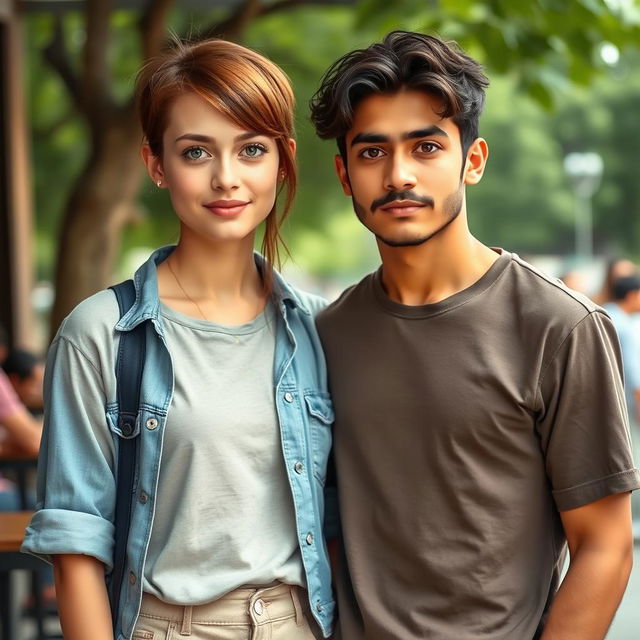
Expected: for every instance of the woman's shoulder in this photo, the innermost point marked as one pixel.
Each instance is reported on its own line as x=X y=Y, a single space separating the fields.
x=92 y=322
x=310 y=302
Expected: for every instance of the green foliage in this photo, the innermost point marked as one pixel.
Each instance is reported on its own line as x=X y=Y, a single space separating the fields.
x=538 y=49
x=525 y=39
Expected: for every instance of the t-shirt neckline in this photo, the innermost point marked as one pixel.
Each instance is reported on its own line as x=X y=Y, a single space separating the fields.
x=436 y=308
x=266 y=316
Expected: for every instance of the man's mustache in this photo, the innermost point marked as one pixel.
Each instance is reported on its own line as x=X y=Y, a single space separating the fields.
x=402 y=195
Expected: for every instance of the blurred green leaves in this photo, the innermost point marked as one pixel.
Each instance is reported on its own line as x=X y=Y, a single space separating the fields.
x=539 y=53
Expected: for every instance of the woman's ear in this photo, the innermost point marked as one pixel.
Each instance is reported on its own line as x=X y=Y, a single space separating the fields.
x=282 y=174
x=476 y=161
x=153 y=164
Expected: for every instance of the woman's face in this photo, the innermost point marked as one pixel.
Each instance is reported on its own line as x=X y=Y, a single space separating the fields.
x=222 y=179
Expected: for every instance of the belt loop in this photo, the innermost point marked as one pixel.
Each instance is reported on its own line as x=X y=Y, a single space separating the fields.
x=296 y=604
x=186 y=621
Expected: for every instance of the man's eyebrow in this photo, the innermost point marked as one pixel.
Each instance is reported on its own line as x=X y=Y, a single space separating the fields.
x=369 y=138
x=197 y=137
x=425 y=133
x=378 y=138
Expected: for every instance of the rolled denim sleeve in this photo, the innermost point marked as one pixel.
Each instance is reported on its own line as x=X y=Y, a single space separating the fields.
x=76 y=484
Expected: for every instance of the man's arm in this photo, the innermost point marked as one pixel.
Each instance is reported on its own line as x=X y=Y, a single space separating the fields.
x=601 y=549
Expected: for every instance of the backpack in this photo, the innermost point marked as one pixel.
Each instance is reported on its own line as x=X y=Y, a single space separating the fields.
x=129 y=367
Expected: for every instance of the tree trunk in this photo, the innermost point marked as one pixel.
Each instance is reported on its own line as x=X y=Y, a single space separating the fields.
x=101 y=203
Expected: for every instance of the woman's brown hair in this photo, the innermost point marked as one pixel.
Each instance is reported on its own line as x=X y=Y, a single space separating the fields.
x=244 y=86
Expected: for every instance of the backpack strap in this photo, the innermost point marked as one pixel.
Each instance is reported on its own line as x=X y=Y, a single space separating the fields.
x=129 y=366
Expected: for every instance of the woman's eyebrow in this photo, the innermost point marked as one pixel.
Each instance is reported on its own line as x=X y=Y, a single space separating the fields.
x=198 y=137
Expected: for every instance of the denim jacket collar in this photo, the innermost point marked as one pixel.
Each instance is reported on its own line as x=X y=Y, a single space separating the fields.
x=147 y=304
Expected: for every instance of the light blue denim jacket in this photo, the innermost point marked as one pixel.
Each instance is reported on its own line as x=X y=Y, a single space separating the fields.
x=76 y=483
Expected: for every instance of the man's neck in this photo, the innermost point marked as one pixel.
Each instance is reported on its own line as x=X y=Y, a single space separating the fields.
x=433 y=271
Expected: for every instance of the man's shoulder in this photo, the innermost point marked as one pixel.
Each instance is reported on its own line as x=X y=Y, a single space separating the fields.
x=546 y=297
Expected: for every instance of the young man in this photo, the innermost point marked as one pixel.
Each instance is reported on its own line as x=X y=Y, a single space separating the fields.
x=480 y=415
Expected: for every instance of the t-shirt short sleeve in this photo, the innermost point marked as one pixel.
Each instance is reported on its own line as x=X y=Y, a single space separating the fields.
x=582 y=422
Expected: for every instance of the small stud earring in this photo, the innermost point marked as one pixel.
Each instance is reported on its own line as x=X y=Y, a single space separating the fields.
x=159 y=183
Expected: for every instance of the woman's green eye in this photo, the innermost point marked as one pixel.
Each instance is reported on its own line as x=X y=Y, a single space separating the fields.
x=193 y=153
x=254 y=150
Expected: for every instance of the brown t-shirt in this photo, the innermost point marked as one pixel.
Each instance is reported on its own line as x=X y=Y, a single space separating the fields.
x=462 y=429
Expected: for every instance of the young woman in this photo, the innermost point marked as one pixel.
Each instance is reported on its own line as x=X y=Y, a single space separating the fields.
x=234 y=423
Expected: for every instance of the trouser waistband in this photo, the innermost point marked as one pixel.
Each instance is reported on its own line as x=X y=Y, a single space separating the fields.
x=241 y=606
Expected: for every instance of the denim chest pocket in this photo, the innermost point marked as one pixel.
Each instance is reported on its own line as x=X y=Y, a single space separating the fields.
x=321 y=416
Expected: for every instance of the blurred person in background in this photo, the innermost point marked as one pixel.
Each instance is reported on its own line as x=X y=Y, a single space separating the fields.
x=615 y=268
x=26 y=373
x=480 y=420
x=20 y=432
x=624 y=310
x=574 y=279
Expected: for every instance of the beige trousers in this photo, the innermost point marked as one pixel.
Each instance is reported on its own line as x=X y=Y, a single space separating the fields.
x=273 y=613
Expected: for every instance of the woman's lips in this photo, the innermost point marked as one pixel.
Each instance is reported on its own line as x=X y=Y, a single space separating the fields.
x=226 y=208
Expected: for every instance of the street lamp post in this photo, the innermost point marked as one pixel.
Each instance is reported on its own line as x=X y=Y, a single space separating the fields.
x=585 y=173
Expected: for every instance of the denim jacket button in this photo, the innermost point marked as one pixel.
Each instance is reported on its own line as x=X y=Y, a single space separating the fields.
x=318 y=606
x=288 y=397
x=152 y=423
x=258 y=607
x=132 y=577
x=143 y=497
x=298 y=467
x=309 y=538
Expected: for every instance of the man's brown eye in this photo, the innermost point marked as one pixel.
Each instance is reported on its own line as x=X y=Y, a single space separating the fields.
x=428 y=147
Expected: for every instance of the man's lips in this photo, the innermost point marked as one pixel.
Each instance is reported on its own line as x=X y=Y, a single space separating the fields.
x=402 y=207
x=226 y=208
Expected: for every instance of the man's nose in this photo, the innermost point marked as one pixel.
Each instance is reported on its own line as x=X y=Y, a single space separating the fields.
x=400 y=175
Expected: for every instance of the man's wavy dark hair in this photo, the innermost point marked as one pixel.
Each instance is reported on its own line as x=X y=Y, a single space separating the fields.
x=403 y=60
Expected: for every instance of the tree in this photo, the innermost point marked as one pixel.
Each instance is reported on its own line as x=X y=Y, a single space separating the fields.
x=543 y=43
x=102 y=199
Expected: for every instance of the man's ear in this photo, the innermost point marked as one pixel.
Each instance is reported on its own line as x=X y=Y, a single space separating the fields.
x=343 y=175
x=476 y=161
x=153 y=164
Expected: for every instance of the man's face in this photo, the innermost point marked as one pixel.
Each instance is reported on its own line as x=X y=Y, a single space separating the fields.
x=404 y=167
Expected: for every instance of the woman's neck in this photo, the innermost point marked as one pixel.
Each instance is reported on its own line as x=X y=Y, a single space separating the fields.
x=214 y=281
